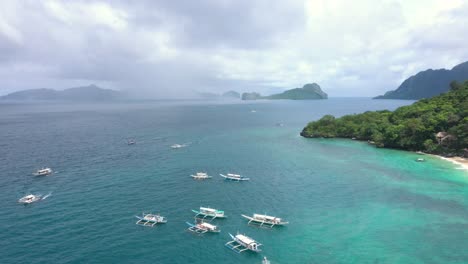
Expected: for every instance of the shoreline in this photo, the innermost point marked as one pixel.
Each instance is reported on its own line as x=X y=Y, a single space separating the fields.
x=462 y=162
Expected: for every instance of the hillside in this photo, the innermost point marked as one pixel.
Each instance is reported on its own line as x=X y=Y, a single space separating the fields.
x=437 y=125
x=428 y=83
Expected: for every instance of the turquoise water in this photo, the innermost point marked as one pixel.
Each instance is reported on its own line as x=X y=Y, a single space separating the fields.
x=346 y=202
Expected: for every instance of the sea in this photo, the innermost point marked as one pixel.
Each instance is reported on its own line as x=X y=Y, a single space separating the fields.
x=346 y=201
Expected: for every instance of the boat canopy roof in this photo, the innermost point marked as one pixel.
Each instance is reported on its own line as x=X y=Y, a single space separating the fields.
x=206 y=209
x=267 y=217
x=208 y=225
x=245 y=239
x=233 y=175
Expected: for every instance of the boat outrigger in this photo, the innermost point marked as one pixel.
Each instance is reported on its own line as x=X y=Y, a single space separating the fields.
x=234 y=177
x=206 y=212
x=265 y=220
x=150 y=219
x=242 y=243
x=202 y=227
x=43 y=172
x=201 y=176
x=30 y=198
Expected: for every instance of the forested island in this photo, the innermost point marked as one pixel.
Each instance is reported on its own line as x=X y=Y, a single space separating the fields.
x=310 y=91
x=438 y=125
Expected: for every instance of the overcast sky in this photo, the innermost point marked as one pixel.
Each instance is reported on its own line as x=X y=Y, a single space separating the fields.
x=165 y=48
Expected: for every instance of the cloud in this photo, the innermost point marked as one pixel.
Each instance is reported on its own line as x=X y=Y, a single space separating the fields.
x=168 y=48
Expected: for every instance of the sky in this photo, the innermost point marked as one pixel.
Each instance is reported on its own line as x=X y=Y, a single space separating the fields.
x=172 y=49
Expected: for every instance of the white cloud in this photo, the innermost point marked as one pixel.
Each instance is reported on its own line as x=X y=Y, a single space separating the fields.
x=351 y=48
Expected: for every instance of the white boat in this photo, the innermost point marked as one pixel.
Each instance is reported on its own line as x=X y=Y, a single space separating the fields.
x=30 y=198
x=242 y=243
x=234 y=177
x=148 y=219
x=420 y=160
x=206 y=212
x=265 y=220
x=131 y=142
x=201 y=176
x=176 y=146
x=43 y=172
x=203 y=227
x=265 y=261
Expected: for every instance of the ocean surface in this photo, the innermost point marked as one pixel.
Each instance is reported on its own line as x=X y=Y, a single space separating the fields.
x=346 y=201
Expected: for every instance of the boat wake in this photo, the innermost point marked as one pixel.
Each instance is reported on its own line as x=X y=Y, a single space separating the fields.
x=46 y=196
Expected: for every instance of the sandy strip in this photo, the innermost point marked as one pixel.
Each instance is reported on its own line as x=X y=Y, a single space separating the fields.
x=462 y=162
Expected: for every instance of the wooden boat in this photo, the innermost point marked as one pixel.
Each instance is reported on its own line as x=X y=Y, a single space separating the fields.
x=202 y=227
x=265 y=220
x=148 y=219
x=234 y=177
x=206 y=212
x=241 y=243
x=201 y=176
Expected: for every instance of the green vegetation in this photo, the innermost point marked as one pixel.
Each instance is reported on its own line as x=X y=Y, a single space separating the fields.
x=438 y=125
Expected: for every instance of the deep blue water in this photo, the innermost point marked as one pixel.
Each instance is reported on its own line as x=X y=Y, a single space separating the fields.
x=346 y=202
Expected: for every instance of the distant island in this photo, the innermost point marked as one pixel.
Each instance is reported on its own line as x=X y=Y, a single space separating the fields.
x=310 y=91
x=438 y=125
x=226 y=95
x=428 y=83
x=83 y=93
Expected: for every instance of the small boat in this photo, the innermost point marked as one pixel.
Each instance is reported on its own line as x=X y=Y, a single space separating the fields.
x=43 y=172
x=265 y=261
x=420 y=160
x=206 y=212
x=202 y=227
x=234 y=177
x=131 y=142
x=30 y=198
x=150 y=219
x=177 y=146
x=201 y=176
x=265 y=220
x=253 y=111
x=242 y=243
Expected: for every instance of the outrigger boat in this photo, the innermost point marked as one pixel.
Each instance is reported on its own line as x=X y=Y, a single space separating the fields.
x=150 y=219
x=30 y=198
x=234 y=177
x=201 y=176
x=206 y=212
x=202 y=227
x=242 y=243
x=265 y=220
x=43 y=172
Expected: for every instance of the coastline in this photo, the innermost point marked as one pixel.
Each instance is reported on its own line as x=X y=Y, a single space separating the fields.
x=462 y=162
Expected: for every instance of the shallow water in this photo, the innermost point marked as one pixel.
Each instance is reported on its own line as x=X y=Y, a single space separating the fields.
x=347 y=202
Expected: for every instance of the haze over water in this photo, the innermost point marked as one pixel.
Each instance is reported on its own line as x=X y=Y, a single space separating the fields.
x=346 y=201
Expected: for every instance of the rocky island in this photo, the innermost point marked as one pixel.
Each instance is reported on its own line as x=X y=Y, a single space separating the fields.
x=438 y=125
x=310 y=91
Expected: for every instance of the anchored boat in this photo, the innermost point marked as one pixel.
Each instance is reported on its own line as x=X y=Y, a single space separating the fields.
x=201 y=176
x=206 y=212
x=30 y=198
x=234 y=177
x=242 y=243
x=43 y=172
x=265 y=220
x=202 y=227
x=176 y=146
x=150 y=219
